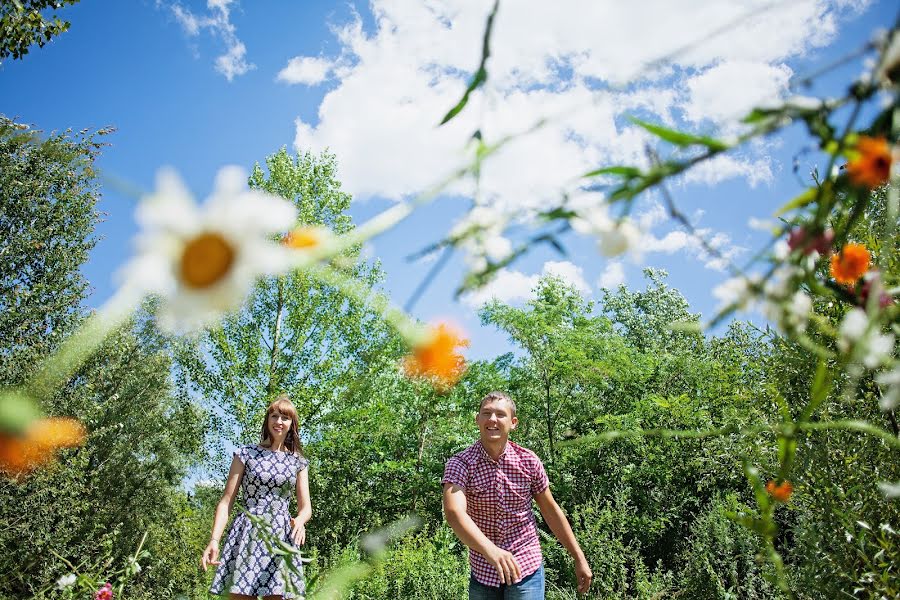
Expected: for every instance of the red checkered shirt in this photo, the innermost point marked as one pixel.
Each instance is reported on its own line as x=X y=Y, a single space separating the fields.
x=498 y=499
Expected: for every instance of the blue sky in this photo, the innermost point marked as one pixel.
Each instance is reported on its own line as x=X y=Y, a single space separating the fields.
x=198 y=85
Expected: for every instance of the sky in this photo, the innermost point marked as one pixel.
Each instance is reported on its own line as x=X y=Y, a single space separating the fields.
x=201 y=84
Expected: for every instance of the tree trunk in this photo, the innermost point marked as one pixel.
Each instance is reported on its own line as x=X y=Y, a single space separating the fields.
x=273 y=361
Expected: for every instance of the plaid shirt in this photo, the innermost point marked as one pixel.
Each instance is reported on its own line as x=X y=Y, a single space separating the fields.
x=498 y=499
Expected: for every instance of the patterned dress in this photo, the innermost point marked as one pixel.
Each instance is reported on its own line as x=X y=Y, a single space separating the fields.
x=247 y=566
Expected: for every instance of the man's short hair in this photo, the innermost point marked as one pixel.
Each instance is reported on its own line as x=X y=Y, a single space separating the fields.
x=493 y=396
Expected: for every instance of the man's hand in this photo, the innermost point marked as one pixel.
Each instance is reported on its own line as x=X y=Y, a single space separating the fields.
x=506 y=565
x=584 y=575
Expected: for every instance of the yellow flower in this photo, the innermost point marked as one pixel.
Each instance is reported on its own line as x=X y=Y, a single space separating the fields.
x=870 y=166
x=20 y=454
x=436 y=357
x=305 y=237
x=780 y=492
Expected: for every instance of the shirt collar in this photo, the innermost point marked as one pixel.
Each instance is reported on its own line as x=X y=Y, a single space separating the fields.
x=487 y=457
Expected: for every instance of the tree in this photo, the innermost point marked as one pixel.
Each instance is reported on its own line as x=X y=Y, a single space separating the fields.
x=295 y=334
x=555 y=330
x=22 y=25
x=47 y=218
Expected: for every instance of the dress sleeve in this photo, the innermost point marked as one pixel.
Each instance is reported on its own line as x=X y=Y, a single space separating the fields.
x=302 y=463
x=242 y=454
x=539 y=480
x=456 y=472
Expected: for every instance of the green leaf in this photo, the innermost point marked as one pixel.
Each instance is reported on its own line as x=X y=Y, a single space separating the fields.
x=680 y=138
x=627 y=172
x=800 y=201
x=481 y=74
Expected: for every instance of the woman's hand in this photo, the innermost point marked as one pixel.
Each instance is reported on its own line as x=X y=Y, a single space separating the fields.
x=210 y=555
x=298 y=532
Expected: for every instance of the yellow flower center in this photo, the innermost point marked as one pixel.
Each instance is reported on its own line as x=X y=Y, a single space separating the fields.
x=206 y=260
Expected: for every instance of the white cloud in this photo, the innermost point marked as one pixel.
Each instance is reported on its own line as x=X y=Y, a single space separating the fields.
x=306 y=70
x=613 y=275
x=729 y=90
x=390 y=83
x=218 y=22
x=728 y=166
x=512 y=286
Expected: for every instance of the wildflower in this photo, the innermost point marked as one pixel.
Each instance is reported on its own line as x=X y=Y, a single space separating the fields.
x=104 y=593
x=855 y=333
x=872 y=281
x=306 y=237
x=851 y=263
x=889 y=381
x=66 y=581
x=620 y=239
x=870 y=166
x=480 y=235
x=203 y=262
x=436 y=357
x=802 y=240
x=615 y=238
x=737 y=291
x=890 y=490
x=21 y=454
x=780 y=492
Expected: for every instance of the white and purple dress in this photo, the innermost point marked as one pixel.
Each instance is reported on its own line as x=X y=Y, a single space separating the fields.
x=247 y=566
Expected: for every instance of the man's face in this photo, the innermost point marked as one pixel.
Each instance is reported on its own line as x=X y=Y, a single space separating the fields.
x=495 y=421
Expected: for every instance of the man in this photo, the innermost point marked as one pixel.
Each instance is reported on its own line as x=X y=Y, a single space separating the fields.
x=488 y=489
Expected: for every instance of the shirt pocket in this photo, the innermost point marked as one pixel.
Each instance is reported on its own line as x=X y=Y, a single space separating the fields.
x=518 y=496
x=478 y=497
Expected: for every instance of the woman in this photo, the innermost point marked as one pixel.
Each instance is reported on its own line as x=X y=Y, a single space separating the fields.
x=267 y=474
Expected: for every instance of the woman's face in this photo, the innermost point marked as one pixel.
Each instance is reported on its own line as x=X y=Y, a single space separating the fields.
x=279 y=424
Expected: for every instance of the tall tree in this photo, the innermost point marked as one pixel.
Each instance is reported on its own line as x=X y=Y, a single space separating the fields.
x=295 y=334
x=47 y=217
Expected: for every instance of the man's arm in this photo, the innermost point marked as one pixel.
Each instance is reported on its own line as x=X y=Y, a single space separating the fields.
x=559 y=525
x=470 y=535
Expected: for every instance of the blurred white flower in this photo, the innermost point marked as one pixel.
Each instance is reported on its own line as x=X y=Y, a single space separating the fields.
x=737 y=291
x=202 y=261
x=497 y=248
x=623 y=237
x=890 y=383
x=791 y=315
x=890 y=490
x=869 y=347
x=852 y=328
x=66 y=581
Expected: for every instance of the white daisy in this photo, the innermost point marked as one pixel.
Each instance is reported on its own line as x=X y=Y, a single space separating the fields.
x=202 y=261
x=66 y=581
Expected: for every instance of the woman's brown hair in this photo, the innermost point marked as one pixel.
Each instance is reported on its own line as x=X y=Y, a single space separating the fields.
x=283 y=405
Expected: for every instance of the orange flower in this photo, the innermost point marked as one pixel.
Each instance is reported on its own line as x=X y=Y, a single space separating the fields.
x=782 y=491
x=851 y=263
x=436 y=358
x=305 y=237
x=871 y=166
x=21 y=454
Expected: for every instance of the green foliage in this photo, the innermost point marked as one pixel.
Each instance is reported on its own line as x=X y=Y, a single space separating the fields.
x=22 y=25
x=120 y=485
x=430 y=565
x=47 y=220
x=721 y=559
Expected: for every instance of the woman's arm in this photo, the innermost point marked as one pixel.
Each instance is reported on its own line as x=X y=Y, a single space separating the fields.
x=223 y=509
x=304 y=508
